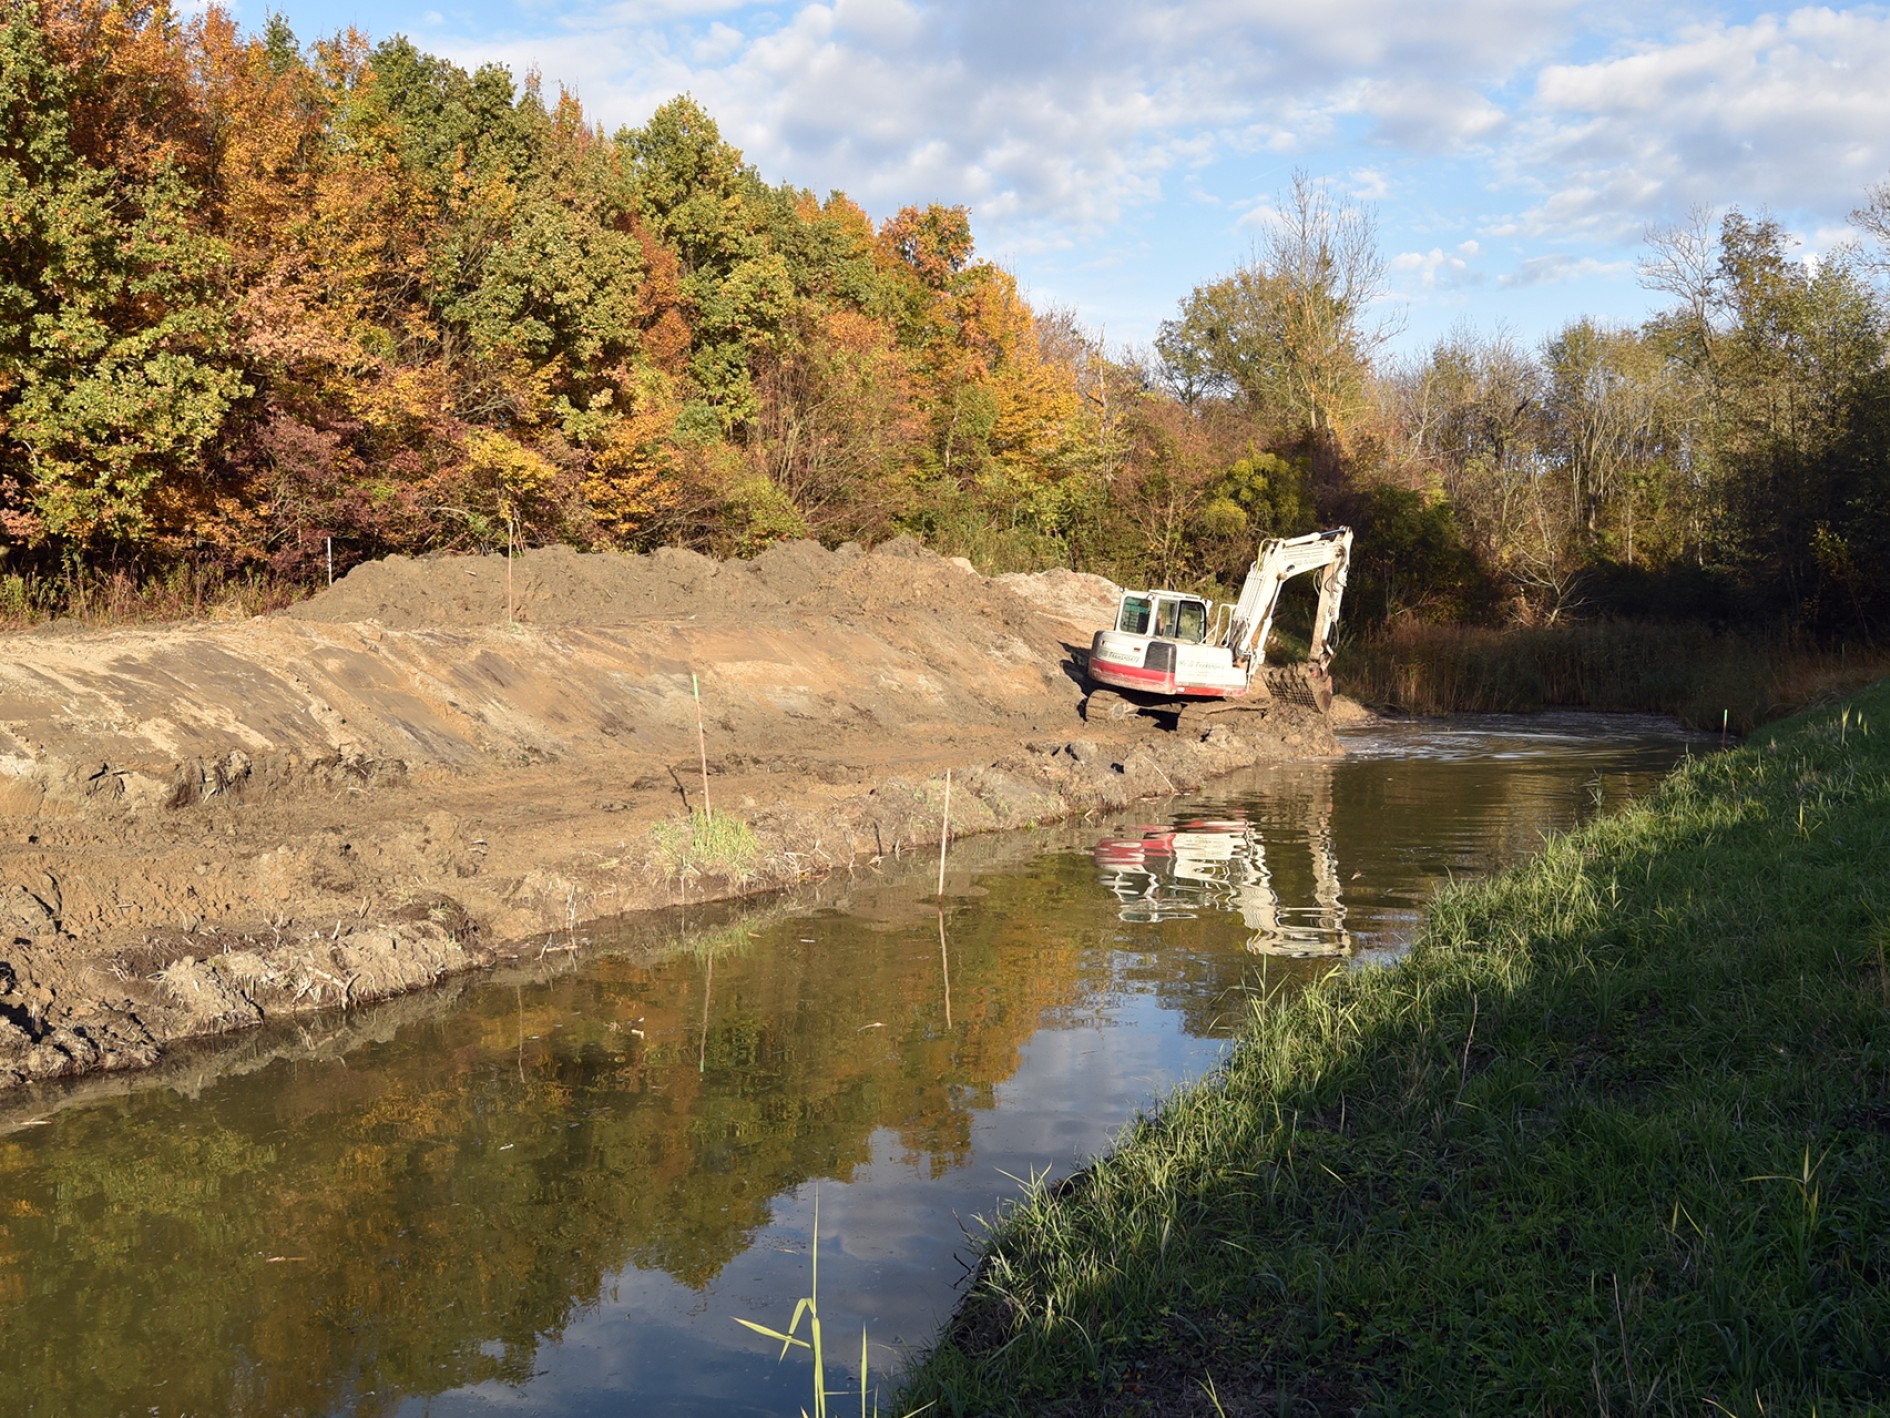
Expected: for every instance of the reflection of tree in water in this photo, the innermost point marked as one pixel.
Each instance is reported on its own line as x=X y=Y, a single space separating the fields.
x=326 y=1235
x=333 y=1234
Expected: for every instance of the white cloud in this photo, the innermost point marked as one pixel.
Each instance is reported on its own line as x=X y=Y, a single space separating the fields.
x=720 y=44
x=1369 y=185
x=1432 y=270
x=1560 y=267
x=892 y=23
x=1428 y=117
x=1790 y=112
x=1101 y=128
x=1065 y=112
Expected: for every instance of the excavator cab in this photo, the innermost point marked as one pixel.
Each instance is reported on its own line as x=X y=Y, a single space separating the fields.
x=1183 y=618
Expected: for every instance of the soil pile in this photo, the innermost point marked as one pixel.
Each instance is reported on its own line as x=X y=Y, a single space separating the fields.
x=557 y=586
x=1079 y=600
x=203 y=826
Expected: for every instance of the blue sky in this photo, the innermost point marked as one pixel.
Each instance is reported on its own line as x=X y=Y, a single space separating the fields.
x=1115 y=155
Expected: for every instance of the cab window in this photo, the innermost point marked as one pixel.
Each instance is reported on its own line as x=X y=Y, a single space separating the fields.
x=1133 y=618
x=1191 y=622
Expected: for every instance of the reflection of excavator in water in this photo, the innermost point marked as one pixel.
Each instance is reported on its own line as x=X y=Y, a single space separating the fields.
x=1206 y=866
x=1167 y=645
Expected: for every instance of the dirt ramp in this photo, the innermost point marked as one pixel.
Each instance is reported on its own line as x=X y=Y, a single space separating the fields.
x=409 y=663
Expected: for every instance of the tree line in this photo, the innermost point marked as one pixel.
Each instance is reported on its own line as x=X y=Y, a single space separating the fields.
x=262 y=301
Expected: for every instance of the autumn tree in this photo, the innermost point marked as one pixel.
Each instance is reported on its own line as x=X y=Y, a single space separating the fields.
x=116 y=359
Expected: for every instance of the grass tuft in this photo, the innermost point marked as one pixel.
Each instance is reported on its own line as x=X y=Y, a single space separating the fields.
x=1615 y=1137
x=708 y=845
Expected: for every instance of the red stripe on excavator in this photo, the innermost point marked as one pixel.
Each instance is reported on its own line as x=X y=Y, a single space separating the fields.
x=1132 y=676
x=1149 y=681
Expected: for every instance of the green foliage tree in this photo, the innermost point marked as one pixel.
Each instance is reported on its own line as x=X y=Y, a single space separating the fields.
x=1290 y=332
x=116 y=359
x=1778 y=356
x=703 y=201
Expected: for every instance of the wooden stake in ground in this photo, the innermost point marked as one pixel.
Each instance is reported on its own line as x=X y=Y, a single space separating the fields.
x=944 y=831
x=508 y=568
x=702 y=747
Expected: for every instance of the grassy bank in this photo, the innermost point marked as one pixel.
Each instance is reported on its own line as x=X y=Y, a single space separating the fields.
x=1691 y=672
x=1615 y=1138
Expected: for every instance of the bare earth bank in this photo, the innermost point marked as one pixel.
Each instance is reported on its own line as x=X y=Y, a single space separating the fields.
x=209 y=825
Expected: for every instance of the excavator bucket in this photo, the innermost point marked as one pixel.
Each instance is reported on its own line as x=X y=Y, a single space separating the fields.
x=1299 y=684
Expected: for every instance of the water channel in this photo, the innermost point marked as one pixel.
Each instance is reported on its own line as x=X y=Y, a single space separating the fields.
x=554 y=1190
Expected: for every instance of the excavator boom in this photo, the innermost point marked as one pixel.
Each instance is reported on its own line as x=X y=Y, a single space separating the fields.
x=1280 y=560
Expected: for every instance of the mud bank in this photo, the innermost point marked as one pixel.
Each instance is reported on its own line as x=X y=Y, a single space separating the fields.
x=208 y=826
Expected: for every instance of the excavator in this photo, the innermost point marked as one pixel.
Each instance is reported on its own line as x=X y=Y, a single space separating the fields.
x=1170 y=650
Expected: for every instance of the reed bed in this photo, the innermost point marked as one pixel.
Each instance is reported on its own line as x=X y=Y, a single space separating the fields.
x=116 y=596
x=1706 y=678
x=1614 y=1138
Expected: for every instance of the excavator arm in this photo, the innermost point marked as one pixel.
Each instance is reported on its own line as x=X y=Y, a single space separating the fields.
x=1280 y=560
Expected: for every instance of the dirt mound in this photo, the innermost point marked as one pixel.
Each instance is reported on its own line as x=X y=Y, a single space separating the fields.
x=560 y=586
x=549 y=586
x=1080 y=600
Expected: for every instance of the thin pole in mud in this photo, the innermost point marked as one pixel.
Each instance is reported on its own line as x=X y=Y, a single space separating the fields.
x=944 y=831
x=331 y=560
x=702 y=747
x=508 y=568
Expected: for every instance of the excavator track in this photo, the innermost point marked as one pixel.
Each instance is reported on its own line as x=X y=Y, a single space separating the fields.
x=1106 y=704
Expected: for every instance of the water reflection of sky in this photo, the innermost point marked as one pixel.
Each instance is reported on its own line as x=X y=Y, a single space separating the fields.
x=598 y=1206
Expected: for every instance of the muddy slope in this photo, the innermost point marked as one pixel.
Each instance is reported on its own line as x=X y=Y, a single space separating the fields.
x=205 y=826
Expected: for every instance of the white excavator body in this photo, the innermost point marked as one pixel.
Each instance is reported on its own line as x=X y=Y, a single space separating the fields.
x=1175 y=646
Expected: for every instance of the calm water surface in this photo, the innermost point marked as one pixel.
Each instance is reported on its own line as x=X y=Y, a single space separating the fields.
x=554 y=1191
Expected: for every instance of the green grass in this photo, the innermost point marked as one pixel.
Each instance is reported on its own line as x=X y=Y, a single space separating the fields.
x=708 y=845
x=1615 y=1138
x=1703 y=677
